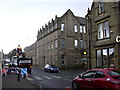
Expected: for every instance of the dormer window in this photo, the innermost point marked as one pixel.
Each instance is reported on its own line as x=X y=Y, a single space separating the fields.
x=101 y=7
x=56 y=26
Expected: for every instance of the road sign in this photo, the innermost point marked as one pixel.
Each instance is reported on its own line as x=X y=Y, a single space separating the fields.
x=24 y=72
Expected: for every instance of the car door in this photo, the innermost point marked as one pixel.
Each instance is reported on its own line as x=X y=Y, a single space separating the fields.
x=99 y=80
x=86 y=79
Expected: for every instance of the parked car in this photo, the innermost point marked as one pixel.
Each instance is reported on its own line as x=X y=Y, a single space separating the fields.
x=51 y=68
x=98 y=79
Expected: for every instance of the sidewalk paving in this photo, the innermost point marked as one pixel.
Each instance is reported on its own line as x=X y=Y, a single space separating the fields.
x=11 y=82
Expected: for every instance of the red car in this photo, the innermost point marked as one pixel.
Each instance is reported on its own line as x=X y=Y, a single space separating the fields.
x=98 y=79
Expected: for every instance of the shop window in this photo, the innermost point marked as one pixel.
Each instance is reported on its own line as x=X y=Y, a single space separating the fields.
x=111 y=57
x=105 y=57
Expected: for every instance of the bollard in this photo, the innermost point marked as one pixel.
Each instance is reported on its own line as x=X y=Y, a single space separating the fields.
x=67 y=88
x=18 y=76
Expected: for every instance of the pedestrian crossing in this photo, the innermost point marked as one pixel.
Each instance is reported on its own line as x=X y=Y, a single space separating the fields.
x=47 y=77
x=38 y=78
x=43 y=78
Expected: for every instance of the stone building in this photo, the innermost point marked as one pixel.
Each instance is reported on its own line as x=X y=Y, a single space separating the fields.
x=30 y=52
x=103 y=25
x=62 y=42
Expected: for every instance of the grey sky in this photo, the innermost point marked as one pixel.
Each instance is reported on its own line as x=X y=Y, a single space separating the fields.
x=21 y=19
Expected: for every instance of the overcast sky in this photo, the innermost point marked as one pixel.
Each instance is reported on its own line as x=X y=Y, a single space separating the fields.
x=21 y=19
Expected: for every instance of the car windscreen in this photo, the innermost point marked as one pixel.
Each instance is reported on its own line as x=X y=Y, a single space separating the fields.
x=52 y=66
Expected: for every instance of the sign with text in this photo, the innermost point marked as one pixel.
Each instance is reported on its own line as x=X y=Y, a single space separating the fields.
x=118 y=39
x=25 y=61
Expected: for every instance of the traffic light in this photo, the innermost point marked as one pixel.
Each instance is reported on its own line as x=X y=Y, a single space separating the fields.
x=19 y=50
x=84 y=53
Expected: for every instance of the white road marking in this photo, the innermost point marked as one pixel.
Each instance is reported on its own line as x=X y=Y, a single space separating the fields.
x=56 y=77
x=38 y=78
x=47 y=77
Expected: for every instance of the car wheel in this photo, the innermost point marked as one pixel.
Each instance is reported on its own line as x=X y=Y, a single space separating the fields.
x=74 y=87
x=49 y=71
x=57 y=71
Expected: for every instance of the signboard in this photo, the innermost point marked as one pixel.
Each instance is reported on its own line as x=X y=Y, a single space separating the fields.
x=118 y=39
x=25 y=61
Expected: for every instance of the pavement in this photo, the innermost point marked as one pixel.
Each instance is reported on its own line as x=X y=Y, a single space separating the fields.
x=10 y=82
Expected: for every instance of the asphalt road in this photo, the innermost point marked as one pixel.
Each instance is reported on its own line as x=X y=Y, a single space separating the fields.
x=53 y=81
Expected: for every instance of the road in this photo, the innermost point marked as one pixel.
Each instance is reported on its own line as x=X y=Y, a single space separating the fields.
x=53 y=81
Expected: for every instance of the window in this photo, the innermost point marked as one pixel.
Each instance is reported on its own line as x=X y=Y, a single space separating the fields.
x=62 y=43
x=52 y=28
x=101 y=6
x=81 y=29
x=103 y=30
x=63 y=59
x=76 y=61
x=55 y=43
x=76 y=43
x=52 y=43
x=114 y=72
x=111 y=56
x=75 y=28
x=48 y=45
x=106 y=29
x=84 y=29
x=105 y=57
x=48 y=29
x=63 y=62
x=99 y=74
x=62 y=27
x=85 y=44
x=81 y=43
x=99 y=58
x=100 y=31
x=56 y=26
x=89 y=74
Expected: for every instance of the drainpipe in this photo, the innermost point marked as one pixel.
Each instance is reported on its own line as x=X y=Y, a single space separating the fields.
x=89 y=38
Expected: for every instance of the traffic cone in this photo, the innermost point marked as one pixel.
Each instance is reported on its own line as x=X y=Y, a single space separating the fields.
x=67 y=88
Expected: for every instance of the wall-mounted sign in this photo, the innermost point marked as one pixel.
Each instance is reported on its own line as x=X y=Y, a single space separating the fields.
x=118 y=39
